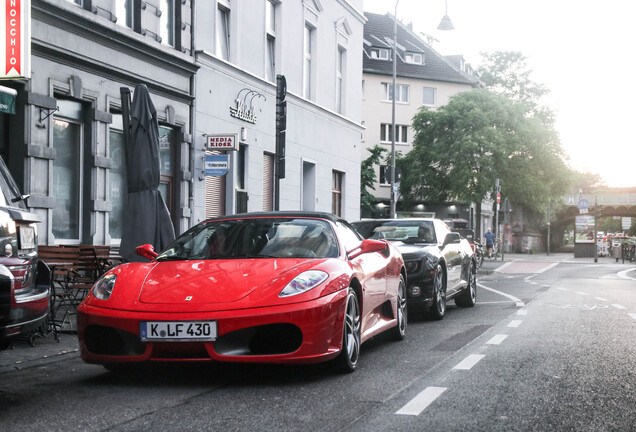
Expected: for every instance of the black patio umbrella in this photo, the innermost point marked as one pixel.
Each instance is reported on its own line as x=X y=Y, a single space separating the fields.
x=146 y=216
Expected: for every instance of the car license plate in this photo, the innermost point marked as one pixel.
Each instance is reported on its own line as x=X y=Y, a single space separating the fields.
x=177 y=330
x=26 y=236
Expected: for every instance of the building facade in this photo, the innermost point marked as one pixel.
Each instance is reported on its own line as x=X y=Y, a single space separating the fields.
x=241 y=47
x=64 y=144
x=210 y=67
x=423 y=78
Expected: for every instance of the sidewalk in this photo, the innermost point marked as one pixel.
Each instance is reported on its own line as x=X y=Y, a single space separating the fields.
x=20 y=355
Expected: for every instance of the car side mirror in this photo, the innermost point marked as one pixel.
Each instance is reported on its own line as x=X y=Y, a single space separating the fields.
x=367 y=246
x=146 y=251
x=452 y=238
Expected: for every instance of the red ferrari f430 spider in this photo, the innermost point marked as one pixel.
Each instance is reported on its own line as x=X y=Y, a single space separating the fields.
x=281 y=287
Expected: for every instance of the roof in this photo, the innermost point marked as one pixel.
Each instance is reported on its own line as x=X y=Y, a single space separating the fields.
x=281 y=214
x=378 y=33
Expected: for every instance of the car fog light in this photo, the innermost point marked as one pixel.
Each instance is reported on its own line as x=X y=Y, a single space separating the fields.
x=415 y=291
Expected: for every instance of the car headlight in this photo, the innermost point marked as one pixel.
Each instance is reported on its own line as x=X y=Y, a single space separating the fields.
x=104 y=287
x=304 y=282
x=412 y=266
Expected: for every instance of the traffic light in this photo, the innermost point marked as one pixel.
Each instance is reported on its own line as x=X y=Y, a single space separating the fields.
x=281 y=124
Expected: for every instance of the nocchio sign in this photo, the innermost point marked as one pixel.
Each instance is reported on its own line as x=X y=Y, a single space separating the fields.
x=15 y=45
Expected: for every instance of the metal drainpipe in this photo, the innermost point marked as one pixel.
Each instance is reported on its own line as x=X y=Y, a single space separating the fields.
x=193 y=112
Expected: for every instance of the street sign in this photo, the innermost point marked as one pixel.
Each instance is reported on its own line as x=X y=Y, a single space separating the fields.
x=498 y=197
x=583 y=204
x=216 y=165
x=222 y=142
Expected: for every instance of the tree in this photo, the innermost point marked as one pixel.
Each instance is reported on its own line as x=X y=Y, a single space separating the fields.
x=460 y=149
x=368 y=177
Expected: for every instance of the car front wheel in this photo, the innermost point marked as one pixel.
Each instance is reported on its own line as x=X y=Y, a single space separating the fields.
x=399 y=331
x=347 y=361
x=468 y=298
x=438 y=309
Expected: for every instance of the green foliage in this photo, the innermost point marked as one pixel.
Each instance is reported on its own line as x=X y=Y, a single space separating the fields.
x=507 y=73
x=368 y=177
x=460 y=149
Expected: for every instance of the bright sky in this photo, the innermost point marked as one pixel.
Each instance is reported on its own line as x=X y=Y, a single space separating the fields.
x=581 y=50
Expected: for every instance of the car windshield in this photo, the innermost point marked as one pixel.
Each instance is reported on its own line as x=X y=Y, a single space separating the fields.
x=255 y=238
x=404 y=231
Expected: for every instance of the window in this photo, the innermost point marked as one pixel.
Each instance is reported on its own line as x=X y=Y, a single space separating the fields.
x=67 y=172
x=117 y=177
x=340 y=58
x=400 y=133
x=223 y=32
x=402 y=92
x=166 y=165
x=270 y=35
x=380 y=53
x=124 y=12
x=167 y=27
x=336 y=193
x=429 y=96
x=307 y=77
x=413 y=58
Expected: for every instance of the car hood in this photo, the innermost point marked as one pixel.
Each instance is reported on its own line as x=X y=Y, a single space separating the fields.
x=219 y=281
x=416 y=249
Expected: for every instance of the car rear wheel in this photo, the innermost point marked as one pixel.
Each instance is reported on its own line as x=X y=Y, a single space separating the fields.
x=399 y=331
x=468 y=298
x=347 y=361
x=438 y=309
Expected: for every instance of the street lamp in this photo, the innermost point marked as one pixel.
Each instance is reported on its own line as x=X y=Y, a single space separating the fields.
x=445 y=24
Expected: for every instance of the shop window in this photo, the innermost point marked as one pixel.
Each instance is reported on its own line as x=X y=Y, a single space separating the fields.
x=67 y=172
x=167 y=162
x=117 y=186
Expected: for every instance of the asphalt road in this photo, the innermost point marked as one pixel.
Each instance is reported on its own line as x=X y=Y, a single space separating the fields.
x=550 y=346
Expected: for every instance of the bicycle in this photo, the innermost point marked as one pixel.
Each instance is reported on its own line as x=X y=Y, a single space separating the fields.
x=496 y=251
x=479 y=255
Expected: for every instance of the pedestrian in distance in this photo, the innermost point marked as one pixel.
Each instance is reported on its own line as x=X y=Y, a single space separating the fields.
x=489 y=237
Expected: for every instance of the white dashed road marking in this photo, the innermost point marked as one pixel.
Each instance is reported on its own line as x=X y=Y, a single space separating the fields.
x=601 y=299
x=421 y=401
x=617 y=306
x=515 y=323
x=522 y=312
x=633 y=315
x=469 y=362
x=497 y=339
x=518 y=301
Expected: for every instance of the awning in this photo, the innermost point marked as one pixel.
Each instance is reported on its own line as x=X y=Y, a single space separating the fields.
x=7 y=100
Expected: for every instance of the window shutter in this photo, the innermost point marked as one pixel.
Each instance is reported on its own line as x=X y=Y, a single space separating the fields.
x=268 y=182
x=214 y=195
